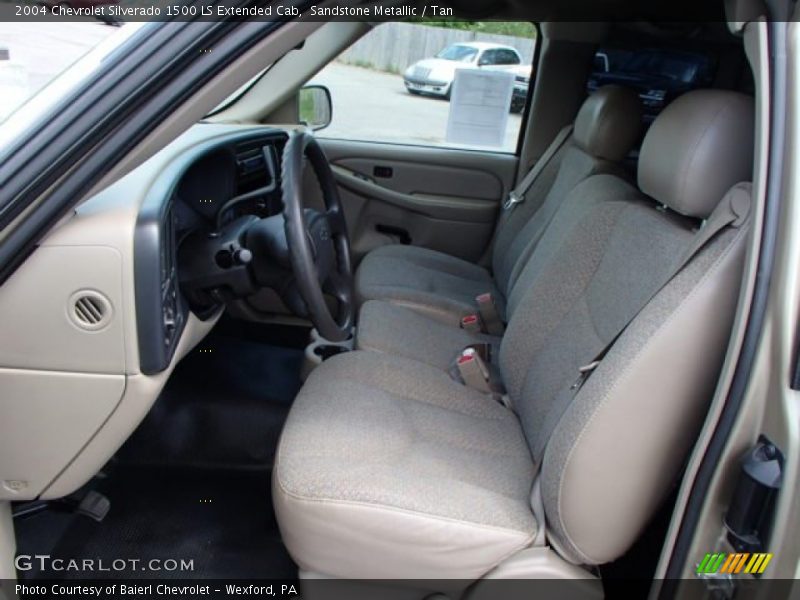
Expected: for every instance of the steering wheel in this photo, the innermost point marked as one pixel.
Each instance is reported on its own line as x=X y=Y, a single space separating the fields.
x=319 y=248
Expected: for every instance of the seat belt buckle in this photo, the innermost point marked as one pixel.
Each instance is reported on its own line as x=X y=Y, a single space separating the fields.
x=490 y=317
x=512 y=200
x=484 y=351
x=474 y=371
x=471 y=323
x=583 y=374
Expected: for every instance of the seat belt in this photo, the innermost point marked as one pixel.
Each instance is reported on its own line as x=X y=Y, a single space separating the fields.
x=517 y=195
x=731 y=212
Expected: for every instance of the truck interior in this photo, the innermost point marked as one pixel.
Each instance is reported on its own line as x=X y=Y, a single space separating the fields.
x=293 y=354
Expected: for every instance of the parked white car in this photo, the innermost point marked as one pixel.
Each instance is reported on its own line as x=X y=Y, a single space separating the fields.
x=435 y=75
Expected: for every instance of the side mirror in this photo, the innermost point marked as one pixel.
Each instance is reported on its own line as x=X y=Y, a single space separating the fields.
x=315 y=108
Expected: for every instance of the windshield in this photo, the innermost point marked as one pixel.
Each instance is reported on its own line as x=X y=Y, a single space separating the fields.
x=240 y=91
x=33 y=55
x=458 y=53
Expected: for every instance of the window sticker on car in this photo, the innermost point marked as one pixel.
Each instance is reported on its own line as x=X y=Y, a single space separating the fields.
x=479 y=107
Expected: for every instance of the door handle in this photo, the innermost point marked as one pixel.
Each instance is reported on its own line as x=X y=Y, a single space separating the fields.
x=401 y=234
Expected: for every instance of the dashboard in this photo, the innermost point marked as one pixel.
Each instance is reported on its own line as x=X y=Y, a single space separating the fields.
x=82 y=380
x=200 y=192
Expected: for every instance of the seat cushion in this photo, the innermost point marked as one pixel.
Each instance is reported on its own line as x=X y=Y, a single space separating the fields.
x=431 y=282
x=387 y=468
x=400 y=331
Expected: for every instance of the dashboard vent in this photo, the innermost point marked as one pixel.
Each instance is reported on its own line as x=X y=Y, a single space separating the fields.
x=90 y=310
x=250 y=160
x=256 y=166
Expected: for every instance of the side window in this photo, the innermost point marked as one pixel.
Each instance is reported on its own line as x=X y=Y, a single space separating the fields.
x=397 y=84
x=488 y=58
x=507 y=57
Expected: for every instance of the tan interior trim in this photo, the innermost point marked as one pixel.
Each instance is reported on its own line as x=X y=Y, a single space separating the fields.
x=559 y=88
x=437 y=207
x=8 y=544
x=239 y=72
x=755 y=39
x=141 y=391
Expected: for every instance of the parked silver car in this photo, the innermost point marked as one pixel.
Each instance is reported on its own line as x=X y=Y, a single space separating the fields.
x=435 y=75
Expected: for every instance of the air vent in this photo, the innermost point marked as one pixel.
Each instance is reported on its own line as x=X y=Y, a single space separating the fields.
x=89 y=310
x=255 y=166
x=250 y=159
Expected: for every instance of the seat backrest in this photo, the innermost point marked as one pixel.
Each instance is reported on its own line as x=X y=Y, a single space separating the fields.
x=608 y=125
x=619 y=444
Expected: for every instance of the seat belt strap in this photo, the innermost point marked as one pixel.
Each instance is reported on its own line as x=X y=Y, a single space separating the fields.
x=731 y=212
x=537 y=506
x=489 y=315
x=517 y=195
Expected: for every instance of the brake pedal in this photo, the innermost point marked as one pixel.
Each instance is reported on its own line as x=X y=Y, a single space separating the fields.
x=94 y=505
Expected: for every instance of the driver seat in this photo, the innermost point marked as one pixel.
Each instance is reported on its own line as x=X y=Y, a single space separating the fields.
x=390 y=468
x=607 y=126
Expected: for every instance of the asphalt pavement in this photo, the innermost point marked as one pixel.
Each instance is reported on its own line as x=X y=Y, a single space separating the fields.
x=367 y=104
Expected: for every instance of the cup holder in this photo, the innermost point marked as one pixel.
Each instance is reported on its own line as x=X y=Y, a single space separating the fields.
x=320 y=350
x=325 y=352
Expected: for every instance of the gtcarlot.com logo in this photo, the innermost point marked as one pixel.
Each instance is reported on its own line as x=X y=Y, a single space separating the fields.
x=44 y=562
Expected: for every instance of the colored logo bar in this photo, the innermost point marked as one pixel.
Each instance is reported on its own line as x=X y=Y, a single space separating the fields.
x=743 y=562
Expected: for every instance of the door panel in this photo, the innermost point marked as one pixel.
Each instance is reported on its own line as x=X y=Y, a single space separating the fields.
x=438 y=198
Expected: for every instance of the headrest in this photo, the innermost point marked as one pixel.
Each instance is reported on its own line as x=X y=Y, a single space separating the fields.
x=609 y=123
x=697 y=149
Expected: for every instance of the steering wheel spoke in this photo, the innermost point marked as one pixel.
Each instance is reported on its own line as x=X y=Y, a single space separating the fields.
x=338 y=286
x=336 y=221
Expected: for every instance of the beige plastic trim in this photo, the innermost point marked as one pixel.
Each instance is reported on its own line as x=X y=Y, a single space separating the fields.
x=140 y=393
x=781 y=404
x=47 y=418
x=544 y=563
x=280 y=84
x=560 y=88
x=80 y=391
x=741 y=12
x=449 y=163
x=260 y=56
x=539 y=567
x=437 y=207
x=755 y=40
x=8 y=545
x=770 y=406
x=44 y=332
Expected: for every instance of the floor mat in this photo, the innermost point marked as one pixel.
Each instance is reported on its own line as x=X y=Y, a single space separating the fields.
x=224 y=406
x=220 y=520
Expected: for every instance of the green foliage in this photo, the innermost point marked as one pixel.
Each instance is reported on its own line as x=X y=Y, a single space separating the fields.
x=521 y=29
x=306 y=106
